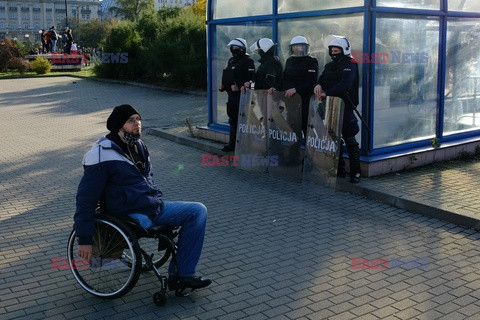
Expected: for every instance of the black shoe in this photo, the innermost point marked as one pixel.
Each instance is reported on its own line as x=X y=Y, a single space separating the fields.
x=175 y=283
x=355 y=178
x=228 y=148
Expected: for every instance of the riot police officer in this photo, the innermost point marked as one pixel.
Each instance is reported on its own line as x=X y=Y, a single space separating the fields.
x=269 y=73
x=240 y=68
x=300 y=75
x=340 y=78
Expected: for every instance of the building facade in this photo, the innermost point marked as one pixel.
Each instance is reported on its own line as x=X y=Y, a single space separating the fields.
x=22 y=20
x=172 y=3
x=105 y=6
x=418 y=61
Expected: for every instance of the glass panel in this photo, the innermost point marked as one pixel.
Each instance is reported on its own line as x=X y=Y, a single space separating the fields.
x=224 y=33
x=412 y=4
x=285 y=6
x=462 y=87
x=315 y=30
x=405 y=79
x=234 y=8
x=464 y=5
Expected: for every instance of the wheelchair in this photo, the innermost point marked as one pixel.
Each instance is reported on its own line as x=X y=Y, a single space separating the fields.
x=120 y=247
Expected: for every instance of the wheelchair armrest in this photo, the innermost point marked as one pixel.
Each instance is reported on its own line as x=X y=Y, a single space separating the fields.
x=137 y=229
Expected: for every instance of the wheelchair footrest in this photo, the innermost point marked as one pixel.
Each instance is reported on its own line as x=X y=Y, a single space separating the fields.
x=181 y=284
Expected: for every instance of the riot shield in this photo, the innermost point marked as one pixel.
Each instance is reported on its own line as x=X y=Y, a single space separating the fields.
x=251 y=143
x=323 y=140
x=285 y=135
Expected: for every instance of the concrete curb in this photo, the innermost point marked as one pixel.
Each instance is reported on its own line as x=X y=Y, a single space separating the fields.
x=197 y=143
x=342 y=185
x=57 y=73
x=410 y=205
x=143 y=85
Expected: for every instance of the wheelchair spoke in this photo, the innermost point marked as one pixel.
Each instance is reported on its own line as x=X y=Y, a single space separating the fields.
x=109 y=275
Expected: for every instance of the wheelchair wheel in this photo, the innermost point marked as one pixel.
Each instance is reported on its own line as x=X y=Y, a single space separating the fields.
x=116 y=261
x=150 y=246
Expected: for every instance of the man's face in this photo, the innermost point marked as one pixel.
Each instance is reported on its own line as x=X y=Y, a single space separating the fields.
x=299 y=50
x=133 y=125
x=336 y=50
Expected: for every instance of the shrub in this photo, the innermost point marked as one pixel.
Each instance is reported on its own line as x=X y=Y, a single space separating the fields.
x=168 y=47
x=8 y=50
x=122 y=38
x=40 y=65
x=179 y=53
x=19 y=64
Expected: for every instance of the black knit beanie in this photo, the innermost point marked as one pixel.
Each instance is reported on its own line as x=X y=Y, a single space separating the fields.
x=119 y=116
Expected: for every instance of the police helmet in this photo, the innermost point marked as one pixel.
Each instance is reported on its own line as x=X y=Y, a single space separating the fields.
x=263 y=44
x=299 y=46
x=240 y=43
x=340 y=42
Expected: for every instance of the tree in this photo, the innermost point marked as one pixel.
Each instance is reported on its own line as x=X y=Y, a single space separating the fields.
x=132 y=9
x=200 y=8
x=8 y=51
x=91 y=33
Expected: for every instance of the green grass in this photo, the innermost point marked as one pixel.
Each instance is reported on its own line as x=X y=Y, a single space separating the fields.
x=85 y=72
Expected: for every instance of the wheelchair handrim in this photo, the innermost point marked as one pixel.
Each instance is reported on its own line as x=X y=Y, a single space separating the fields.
x=83 y=283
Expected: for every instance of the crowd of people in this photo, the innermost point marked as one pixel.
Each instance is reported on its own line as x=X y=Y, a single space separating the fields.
x=52 y=41
x=340 y=78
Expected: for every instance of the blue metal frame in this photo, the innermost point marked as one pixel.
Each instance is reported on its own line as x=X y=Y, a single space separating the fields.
x=370 y=11
x=370 y=86
x=442 y=54
x=210 y=36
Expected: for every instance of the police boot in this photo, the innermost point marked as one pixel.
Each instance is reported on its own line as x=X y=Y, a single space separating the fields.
x=354 y=157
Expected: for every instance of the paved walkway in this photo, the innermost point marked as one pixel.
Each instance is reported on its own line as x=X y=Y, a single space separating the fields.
x=448 y=190
x=274 y=249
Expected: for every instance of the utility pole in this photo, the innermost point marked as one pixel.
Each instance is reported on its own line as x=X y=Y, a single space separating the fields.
x=66 y=14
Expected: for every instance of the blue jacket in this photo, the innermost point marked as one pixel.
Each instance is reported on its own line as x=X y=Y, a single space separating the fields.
x=111 y=177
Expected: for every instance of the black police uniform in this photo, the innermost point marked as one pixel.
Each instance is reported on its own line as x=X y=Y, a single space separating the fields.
x=340 y=79
x=301 y=73
x=269 y=73
x=240 y=69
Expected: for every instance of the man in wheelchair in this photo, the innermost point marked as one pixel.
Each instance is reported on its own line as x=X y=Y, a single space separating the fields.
x=118 y=172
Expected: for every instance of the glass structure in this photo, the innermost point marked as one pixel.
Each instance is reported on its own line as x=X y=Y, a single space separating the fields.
x=418 y=61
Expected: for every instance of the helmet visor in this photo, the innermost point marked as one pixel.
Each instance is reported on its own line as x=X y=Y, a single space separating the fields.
x=299 y=50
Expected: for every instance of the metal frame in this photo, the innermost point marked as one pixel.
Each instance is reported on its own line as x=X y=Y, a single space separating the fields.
x=371 y=11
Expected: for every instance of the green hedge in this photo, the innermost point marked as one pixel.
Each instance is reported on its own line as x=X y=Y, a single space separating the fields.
x=168 y=48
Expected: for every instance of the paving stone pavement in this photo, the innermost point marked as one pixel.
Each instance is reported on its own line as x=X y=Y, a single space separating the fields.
x=275 y=249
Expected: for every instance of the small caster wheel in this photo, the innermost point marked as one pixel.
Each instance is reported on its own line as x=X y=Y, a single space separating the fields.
x=159 y=299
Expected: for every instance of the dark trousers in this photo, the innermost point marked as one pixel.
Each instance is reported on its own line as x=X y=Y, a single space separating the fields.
x=349 y=131
x=233 y=105
x=305 y=108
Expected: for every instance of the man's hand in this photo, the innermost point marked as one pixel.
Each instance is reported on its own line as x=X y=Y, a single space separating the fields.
x=234 y=87
x=270 y=91
x=221 y=88
x=319 y=93
x=290 y=92
x=85 y=252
